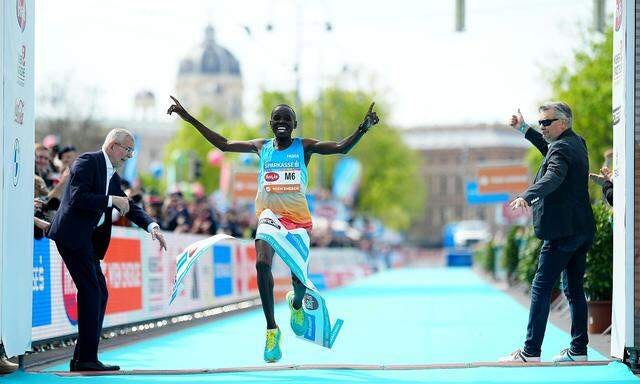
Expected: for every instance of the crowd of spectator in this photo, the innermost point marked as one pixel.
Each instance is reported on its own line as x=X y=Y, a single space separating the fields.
x=174 y=212
x=187 y=212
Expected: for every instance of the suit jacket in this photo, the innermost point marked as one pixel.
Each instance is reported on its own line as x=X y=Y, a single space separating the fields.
x=75 y=224
x=559 y=196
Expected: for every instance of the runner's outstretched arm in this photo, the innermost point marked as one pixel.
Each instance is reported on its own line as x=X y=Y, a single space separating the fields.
x=219 y=141
x=345 y=145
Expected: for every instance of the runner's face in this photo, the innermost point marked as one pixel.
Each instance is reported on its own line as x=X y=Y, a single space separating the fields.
x=283 y=122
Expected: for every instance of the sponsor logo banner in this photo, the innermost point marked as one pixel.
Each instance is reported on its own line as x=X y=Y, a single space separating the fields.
x=222 y=270
x=244 y=185
x=41 y=314
x=282 y=188
x=21 y=13
x=122 y=269
x=69 y=296
x=21 y=69
x=250 y=267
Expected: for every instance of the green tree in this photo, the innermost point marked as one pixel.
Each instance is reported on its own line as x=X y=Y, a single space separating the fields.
x=391 y=188
x=528 y=257
x=510 y=254
x=598 y=277
x=489 y=259
x=585 y=84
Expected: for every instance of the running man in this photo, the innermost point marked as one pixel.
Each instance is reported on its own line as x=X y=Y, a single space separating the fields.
x=285 y=196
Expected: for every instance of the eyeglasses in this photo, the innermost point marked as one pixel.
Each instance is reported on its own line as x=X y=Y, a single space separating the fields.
x=547 y=122
x=130 y=151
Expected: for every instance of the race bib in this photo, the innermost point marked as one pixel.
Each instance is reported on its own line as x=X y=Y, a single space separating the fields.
x=282 y=181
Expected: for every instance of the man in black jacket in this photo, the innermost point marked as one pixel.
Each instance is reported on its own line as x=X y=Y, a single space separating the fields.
x=563 y=219
x=81 y=229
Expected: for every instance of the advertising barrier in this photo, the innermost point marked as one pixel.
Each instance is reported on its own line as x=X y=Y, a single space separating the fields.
x=140 y=279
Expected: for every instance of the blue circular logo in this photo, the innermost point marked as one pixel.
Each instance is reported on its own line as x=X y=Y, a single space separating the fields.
x=310 y=303
x=16 y=169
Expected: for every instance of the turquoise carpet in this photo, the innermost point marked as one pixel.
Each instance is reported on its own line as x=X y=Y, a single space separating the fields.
x=410 y=316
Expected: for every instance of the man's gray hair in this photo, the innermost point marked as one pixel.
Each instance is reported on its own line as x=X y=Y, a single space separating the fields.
x=561 y=111
x=116 y=135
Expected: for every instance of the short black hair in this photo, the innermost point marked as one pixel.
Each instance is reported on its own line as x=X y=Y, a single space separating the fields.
x=69 y=148
x=285 y=106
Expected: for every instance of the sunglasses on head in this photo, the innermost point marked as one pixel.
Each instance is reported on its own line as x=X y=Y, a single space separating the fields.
x=547 y=122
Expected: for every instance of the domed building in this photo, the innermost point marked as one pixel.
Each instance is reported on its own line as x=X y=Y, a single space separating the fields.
x=210 y=77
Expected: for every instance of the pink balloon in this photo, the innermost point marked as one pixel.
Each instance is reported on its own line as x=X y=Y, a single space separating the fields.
x=214 y=157
x=49 y=141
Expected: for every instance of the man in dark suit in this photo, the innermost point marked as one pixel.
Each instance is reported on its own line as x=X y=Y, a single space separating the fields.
x=563 y=219
x=81 y=229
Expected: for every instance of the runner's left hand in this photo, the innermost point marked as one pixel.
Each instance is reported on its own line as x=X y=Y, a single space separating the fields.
x=370 y=119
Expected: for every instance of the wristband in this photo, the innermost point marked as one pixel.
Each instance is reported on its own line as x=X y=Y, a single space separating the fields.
x=523 y=128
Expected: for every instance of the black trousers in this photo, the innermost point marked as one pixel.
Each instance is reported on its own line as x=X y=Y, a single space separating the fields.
x=87 y=274
x=566 y=256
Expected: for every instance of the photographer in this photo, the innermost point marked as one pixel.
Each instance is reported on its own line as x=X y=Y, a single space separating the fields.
x=44 y=208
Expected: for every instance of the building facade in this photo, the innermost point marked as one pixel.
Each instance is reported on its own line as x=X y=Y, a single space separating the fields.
x=209 y=76
x=451 y=156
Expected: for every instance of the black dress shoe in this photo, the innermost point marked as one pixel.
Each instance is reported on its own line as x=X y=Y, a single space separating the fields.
x=81 y=366
x=7 y=366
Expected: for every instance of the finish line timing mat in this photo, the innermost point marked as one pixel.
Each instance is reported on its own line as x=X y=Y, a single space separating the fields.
x=407 y=325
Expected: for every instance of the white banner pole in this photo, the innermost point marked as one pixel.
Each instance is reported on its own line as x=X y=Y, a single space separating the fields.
x=622 y=330
x=17 y=180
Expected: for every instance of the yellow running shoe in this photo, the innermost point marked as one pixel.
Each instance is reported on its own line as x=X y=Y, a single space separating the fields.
x=298 y=319
x=272 y=352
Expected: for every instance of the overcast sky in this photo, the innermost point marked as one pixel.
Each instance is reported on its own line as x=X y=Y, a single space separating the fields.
x=406 y=49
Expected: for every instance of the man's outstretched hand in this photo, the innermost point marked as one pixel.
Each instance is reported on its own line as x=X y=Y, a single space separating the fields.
x=370 y=119
x=177 y=108
x=157 y=235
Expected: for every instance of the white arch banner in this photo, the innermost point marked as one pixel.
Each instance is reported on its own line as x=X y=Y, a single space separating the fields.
x=622 y=328
x=16 y=225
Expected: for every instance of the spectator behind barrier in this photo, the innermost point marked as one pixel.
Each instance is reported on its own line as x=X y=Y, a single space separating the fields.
x=43 y=164
x=175 y=214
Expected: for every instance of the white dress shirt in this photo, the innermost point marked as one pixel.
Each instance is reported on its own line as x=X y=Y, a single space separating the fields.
x=110 y=172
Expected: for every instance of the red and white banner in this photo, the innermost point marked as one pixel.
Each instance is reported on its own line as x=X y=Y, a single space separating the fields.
x=122 y=269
